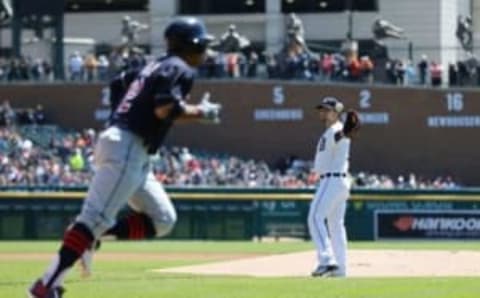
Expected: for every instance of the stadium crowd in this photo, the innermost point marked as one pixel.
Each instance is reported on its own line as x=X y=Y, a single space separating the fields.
x=79 y=68
x=25 y=69
x=328 y=67
x=233 y=55
x=39 y=155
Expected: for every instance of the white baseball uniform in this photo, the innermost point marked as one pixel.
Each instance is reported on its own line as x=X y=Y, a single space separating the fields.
x=327 y=210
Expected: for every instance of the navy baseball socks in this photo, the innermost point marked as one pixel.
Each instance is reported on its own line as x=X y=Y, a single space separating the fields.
x=75 y=241
x=134 y=226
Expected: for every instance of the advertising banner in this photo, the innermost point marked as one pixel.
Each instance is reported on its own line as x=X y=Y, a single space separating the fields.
x=425 y=224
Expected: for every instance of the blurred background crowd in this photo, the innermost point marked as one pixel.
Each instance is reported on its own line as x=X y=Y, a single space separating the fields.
x=36 y=153
x=326 y=67
x=233 y=56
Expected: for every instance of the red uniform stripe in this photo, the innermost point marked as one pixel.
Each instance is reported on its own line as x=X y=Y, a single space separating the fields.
x=141 y=228
x=136 y=227
x=76 y=241
x=131 y=228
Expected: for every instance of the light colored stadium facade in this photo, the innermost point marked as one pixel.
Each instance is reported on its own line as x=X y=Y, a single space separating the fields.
x=429 y=24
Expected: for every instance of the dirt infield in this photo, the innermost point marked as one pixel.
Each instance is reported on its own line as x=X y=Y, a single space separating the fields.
x=362 y=263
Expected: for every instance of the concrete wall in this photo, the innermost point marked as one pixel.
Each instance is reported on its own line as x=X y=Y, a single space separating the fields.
x=430 y=25
x=102 y=27
x=476 y=26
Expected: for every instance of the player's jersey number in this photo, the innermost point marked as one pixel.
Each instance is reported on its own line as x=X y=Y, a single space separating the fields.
x=133 y=90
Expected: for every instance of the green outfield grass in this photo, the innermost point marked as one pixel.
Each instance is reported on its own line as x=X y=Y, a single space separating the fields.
x=236 y=246
x=133 y=278
x=168 y=246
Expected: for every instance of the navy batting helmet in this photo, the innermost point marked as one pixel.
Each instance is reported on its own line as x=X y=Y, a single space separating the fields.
x=188 y=33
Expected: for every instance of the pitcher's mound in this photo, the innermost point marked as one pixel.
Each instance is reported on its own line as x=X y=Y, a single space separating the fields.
x=361 y=263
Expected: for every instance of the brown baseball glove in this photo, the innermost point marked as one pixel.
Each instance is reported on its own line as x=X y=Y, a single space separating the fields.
x=352 y=124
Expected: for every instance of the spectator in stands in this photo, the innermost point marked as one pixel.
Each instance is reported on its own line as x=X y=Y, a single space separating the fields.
x=390 y=68
x=436 y=74
x=463 y=74
x=89 y=136
x=452 y=75
x=39 y=115
x=423 y=69
x=472 y=64
x=25 y=116
x=219 y=64
x=3 y=69
x=339 y=67
x=366 y=67
x=90 y=66
x=412 y=181
x=75 y=67
x=410 y=74
x=47 y=70
x=272 y=66
x=399 y=72
x=233 y=65
x=7 y=115
x=116 y=63
x=327 y=67
x=3 y=118
x=103 y=65
x=24 y=68
x=76 y=161
x=13 y=73
x=135 y=60
x=477 y=74
x=252 y=65
x=37 y=70
x=354 y=69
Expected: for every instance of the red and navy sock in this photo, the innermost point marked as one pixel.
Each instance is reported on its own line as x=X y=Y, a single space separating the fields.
x=135 y=226
x=75 y=241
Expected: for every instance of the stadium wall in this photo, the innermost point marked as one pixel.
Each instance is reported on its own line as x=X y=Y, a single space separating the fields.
x=428 y=131
x=223 y=213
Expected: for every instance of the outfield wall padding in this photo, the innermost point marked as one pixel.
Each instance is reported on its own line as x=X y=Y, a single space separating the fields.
x=227 y=214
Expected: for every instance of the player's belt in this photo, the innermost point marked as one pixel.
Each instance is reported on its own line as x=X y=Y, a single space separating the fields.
x=327 y=175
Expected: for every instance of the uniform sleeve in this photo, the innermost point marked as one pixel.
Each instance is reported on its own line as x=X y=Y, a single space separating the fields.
x=172 y=89
x=323 y=154
x=119 y=86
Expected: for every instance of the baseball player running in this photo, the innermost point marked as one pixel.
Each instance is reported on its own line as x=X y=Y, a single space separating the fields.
x=155 y=99
x=327 y=210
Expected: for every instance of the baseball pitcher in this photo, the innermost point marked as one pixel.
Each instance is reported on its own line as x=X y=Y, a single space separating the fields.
x=327 y=210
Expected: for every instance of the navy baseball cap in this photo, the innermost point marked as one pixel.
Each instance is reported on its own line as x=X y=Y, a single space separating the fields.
x=189 y=30
x=330 y=103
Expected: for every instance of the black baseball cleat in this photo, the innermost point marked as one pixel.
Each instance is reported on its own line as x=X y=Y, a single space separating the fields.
x=325 y=271
x=38 y=290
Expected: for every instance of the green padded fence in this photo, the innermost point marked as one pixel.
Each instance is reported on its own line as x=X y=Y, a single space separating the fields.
x=221 y=213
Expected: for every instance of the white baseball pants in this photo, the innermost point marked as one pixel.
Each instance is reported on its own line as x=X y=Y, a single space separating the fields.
x=123 y=175
x=326 y=222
